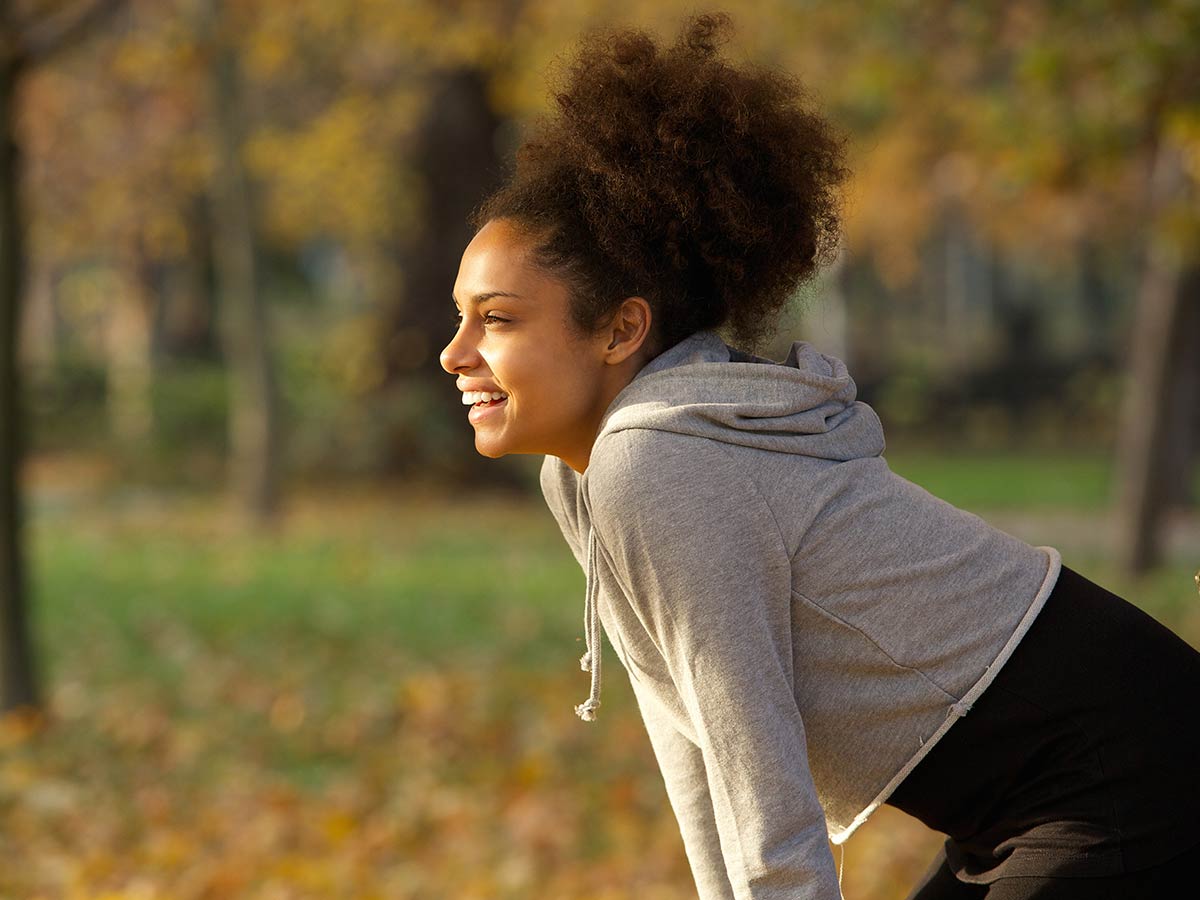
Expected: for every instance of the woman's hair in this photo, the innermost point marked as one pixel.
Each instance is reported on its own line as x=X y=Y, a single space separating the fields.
x=707 y=189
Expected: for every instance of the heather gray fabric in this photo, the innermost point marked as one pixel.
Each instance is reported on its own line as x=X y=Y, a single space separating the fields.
x=799 y=624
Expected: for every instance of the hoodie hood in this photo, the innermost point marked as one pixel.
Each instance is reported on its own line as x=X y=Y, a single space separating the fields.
x=804 y=405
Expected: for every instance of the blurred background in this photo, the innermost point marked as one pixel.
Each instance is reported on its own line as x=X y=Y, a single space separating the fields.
x=269 y=626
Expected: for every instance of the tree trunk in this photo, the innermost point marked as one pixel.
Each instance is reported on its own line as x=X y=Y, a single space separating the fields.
x=189 y=320
x=18 y=679
x=129 y=353
x=254 y=406
x=1097 y=313
x=456 y=153
x=1146 y=420
x=1183 y=438
x=18 y=682
x=40 y=333
x=957 y=262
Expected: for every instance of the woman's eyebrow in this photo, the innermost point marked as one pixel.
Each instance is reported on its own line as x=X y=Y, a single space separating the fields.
x=488 y=295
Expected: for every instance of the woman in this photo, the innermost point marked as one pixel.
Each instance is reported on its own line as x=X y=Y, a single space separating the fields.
x=808 y=635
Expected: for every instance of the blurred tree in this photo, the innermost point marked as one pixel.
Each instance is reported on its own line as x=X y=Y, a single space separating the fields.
x=484 y=78
x=990 y=139
x=1106 y=98
x=26 y=40
x=1156 y=431
x=116 y=168
x=189 y=329
x=1062 y=125
x=457 y=157
x=254 y=395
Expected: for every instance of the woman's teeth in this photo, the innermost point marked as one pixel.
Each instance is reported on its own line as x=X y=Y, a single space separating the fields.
x=470 y=398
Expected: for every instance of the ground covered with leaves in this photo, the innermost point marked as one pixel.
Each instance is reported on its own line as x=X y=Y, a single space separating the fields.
x=375 y=701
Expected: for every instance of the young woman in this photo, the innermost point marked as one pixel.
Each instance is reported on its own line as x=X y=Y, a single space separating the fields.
x=807 y=635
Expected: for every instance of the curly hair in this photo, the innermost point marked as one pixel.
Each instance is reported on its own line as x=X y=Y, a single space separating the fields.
x=711 y=191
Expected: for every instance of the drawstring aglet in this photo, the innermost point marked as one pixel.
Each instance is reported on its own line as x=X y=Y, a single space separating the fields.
x=587 y=710
x=590 y=661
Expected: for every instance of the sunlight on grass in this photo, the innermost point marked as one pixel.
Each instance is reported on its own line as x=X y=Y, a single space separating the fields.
x=376 y=701
x=974 y=480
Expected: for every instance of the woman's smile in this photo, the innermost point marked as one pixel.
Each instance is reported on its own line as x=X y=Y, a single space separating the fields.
x=485 y=409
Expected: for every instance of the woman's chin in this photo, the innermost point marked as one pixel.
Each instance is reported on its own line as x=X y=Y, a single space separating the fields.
x=490 y=448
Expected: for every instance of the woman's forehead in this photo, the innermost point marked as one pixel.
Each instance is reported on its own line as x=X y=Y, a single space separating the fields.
x=498 y=262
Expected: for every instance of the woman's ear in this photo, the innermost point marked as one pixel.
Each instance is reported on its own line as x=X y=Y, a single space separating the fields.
x=629 y=330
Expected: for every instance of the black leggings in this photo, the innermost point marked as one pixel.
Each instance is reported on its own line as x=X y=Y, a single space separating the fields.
x=1077 y=772
x=1171 y=879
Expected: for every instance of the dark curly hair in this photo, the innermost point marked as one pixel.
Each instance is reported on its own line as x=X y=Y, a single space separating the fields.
x=709 y=190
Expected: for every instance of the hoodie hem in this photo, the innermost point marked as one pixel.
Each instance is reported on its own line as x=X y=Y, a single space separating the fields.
x=960 y=708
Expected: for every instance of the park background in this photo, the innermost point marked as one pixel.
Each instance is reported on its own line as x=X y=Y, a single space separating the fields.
x=272 y=629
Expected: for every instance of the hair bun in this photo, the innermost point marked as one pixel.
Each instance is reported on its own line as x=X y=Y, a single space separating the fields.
x=709 y=189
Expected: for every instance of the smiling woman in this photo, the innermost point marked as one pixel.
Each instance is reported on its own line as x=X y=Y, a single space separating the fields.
x=804 y=630
x=515 y=337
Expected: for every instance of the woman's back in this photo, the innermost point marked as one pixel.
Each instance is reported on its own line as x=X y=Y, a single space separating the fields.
x=729 y=489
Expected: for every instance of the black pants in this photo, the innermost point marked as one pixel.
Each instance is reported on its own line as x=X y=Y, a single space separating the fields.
x=1174 y=878
x=1077 y=772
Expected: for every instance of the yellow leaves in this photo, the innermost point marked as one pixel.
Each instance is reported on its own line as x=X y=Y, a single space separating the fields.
x=891 y=206
x=337 y=174
x=287 y=712
x=886 y=854
x=292 y=871
x=166 y=849
x=164 y=235
x=436 y=35
x=1181 y=217
x=20 y=724
x=338 y=826
x=1184 y=129
x=267 y=52
x=270 y=766
x=530 y=771
x=351 y=355
x=144 y=60
x=16 y=775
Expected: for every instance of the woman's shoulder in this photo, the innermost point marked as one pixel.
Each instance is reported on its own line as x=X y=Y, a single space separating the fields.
x=638 y=454
x=640 y=469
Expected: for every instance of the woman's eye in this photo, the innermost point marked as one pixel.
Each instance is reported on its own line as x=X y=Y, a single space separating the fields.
x=456 y=321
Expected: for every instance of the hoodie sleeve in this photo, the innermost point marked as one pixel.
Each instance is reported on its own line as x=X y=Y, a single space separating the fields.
x=705 y=566
x=682 y=766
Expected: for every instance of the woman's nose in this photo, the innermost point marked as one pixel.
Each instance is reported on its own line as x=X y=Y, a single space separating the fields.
x=459 y=353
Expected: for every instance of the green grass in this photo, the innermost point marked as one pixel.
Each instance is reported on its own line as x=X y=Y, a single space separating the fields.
x=404 y=662
x=982 y=481
x=978 y=480
x=426 y=580
x=414 y=578
x=408 y=667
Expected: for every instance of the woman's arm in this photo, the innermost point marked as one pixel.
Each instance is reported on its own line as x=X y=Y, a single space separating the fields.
x=682 y=766
x=705 y=566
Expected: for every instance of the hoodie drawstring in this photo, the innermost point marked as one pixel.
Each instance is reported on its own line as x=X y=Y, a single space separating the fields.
x=590 y=661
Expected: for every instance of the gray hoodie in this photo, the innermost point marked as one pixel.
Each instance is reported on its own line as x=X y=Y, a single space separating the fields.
x=800 y=625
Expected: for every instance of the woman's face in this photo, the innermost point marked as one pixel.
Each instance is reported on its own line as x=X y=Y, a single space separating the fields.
x=513 y=337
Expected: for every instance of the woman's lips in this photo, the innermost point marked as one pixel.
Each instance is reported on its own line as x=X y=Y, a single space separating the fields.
x=481 y=411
